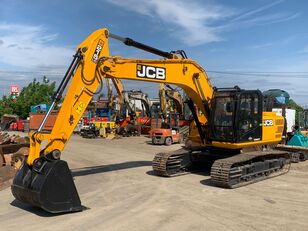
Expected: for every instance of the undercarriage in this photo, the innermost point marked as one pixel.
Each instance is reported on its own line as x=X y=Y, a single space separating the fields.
x=228 y=170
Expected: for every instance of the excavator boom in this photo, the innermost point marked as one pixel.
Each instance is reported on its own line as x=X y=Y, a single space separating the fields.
x=44 y=180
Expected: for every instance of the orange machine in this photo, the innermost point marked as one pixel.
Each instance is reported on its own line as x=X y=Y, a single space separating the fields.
x=169 y=132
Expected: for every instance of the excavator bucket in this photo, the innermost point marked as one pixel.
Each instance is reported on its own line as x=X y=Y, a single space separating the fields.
x=47 y=184
x=299 y=140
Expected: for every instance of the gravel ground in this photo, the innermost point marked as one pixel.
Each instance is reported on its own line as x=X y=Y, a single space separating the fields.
x=115 y=183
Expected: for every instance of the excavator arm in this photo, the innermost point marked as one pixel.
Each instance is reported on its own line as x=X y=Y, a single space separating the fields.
x=176 y=98
x=172 y=94
x=83 y=82
x=130 y=106
x=117 y=83
x=119 y=99
x=143 y=97
x=163 y=100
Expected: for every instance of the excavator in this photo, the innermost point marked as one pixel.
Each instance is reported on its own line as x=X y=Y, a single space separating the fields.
x=143 y=118
x=143 y=98
x=120 y=102
x=167 y=129
x=232 y=126
x=167 y=92
x=123 y=105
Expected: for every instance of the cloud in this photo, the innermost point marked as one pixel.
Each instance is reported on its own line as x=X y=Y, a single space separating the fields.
x=287 y=73
x=263 y=45
x=23 y=78
x=30 y=47
x=293 y=85
x=200 y=22
x=262 y=20
x=194 y=19
x=258 y=10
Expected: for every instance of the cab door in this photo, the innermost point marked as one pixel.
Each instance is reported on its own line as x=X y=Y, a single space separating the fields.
x=249 y=116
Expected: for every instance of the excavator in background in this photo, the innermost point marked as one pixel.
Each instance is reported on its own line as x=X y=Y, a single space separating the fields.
x=143 y=118
x=170 y=127
x=143 y=98
x=106 y=112
x=121 y=110
x=117 y=100
x=127 y=120
x=125 y=111
x=233 y=128
x=163 y=100
x=293 y=139
x=170 y=100
x=174 y=100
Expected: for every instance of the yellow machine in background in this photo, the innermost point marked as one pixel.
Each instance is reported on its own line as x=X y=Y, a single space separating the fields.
x=106 y=129
x=232 y=130
x=170 y=100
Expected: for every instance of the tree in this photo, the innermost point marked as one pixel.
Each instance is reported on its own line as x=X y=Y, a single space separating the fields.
x=298 y=109
x=6 y=105
x=33 y=94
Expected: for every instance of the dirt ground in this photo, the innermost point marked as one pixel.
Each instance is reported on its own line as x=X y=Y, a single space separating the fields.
x=115 y=183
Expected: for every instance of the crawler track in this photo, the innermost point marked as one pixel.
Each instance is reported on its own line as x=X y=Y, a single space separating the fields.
x=248 y=168
x=171 y=163
x=298 y=153
x=232 y=172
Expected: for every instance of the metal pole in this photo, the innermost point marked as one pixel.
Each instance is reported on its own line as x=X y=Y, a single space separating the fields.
x=131 y=42
x=61 y=88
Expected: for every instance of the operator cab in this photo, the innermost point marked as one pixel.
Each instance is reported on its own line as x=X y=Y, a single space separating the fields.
x=236 y=115
x=172 y=121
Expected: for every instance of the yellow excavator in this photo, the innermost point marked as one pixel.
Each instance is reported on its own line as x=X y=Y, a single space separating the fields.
x=115 y=101
x=232 y=125
x=174 y=103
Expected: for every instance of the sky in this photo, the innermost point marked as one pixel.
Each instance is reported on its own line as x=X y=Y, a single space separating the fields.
x=256 y=44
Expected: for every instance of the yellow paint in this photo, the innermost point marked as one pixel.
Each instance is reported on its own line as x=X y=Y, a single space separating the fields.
x=80 y=108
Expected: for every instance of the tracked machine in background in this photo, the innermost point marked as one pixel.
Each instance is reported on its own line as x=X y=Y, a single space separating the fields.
x=125 y=110
x=232 y=125
x=144 y=117
x=294 y=141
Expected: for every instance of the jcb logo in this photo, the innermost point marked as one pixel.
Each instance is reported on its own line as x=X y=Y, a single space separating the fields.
x=98 y=50
x=150 y=72
x=268 y=123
